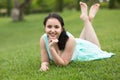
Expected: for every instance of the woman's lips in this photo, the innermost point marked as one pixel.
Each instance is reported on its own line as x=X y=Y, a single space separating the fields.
x=52 y=36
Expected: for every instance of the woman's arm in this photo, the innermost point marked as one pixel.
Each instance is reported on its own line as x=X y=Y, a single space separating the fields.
x=65 y=57
x=44 y=56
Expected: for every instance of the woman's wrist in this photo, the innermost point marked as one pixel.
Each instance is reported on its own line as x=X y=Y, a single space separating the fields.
x=45 y=63
x=52 y=49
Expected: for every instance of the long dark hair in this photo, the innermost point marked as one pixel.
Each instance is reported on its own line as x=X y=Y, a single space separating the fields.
x=63 y=36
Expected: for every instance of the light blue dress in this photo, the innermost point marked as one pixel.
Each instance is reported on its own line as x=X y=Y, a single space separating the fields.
x=84 y=50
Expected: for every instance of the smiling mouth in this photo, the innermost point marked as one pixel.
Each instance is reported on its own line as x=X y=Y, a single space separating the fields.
x=52 y=36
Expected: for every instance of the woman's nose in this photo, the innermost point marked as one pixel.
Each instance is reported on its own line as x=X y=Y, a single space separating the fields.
x=52 y=30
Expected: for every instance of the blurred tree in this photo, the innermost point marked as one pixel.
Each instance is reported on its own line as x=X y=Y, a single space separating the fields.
x=114 y=4
x=18 y=10
x=77 y=6
x=3 y=4
x=9 y=6
x=59 y=5
x=69 y=4
x=43 y=7
x=90 y=2
x=118 y=1
x=3 y=7
x=28 y=8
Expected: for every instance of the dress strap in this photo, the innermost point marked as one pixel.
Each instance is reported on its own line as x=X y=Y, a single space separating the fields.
x=47 y=46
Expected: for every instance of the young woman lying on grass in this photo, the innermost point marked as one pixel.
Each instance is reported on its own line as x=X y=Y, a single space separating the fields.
x=61 y=47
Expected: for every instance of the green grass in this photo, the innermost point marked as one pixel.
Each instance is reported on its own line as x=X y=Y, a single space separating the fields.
x=20 y=52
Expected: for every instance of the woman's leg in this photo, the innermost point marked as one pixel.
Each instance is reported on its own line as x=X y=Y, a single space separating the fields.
x=84 y=13
x=88 y=32
x=93 y=10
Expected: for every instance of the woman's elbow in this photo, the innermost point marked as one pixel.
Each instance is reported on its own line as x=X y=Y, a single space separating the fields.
x=64 y=63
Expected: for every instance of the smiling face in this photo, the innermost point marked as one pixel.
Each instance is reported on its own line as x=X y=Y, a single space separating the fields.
x=53 y=28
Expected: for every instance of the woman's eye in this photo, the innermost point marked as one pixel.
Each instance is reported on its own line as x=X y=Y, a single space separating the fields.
x=49 y=26
x=56 y=26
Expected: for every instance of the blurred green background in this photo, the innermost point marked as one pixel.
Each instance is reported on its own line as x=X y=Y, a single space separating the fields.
x=21 y=26
x=18 y=8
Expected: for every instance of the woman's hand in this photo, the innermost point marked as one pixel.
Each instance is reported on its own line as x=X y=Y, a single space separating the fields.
x=44 y=66
x=52 y=42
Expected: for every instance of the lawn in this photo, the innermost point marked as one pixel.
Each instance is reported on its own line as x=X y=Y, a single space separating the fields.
x=20 y=51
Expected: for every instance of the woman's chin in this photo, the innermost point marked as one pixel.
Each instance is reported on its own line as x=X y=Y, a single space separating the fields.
x=52 y=38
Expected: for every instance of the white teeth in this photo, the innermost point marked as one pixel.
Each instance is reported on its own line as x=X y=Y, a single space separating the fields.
x=52 y=35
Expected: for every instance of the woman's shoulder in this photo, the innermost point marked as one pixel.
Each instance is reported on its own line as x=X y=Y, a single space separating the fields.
x=69 y=34
x=43 y=36
x=71 y=40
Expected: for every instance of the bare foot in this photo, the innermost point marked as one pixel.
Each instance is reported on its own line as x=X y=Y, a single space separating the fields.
x=93 y=10
x=83 y=6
